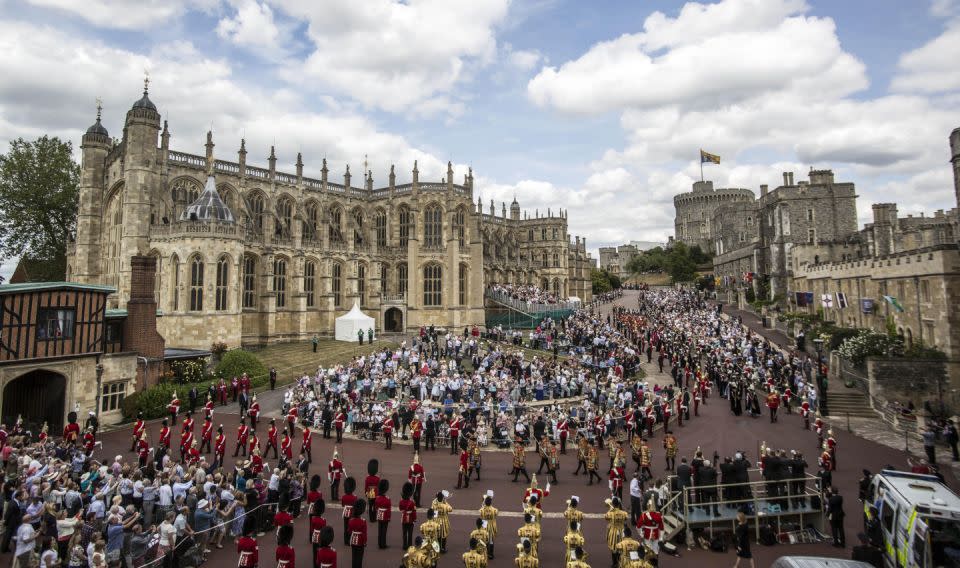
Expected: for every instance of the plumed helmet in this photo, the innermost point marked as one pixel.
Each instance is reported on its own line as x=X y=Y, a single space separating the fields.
x=406 y=491
x=416 y=457
x=383 y=487
x=359 y=508
x=373 y=466
x=349 y=485
x=326 y=536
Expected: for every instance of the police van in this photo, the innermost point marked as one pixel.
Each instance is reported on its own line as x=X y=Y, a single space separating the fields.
x=919 y=520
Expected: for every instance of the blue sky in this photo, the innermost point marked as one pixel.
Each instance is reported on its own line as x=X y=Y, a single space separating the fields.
x=599 y=107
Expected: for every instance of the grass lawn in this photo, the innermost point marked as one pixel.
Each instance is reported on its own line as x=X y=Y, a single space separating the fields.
x=295 y=359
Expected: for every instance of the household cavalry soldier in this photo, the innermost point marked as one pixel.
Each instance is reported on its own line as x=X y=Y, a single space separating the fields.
x=819 y=426
x=530 y=532
x=592 y=459
x=139 y=427
x=583 y=447
x=472 y=558
x=616 y=481
x=173 y=409
x=335 y=472
x=442 y=508
x=615 y=517
x=473 y=447
x=535 y=491
x=626 y=545
x=416 y=476
x=489 y=514
x=208 y=407
x=416 y=431
x=572 y=540
x=254 y=412
x=805 y=413
x=463 y=470
x=519 y=460
x=826 y=461
x=339 y=420
x=143 y=450
x=430 y=529
x=832 y=447
x=650 y=524
x=524 y=559
x=456 y=423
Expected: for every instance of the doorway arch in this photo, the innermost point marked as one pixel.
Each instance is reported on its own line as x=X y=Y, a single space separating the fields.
x=38 y=396
x=393 y=320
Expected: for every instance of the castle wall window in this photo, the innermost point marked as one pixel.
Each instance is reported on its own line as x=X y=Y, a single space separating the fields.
x=256 y=212
x=384 y=279
x=556 y=260
x=310 y=282
x=337 y=284
x=335 y=230
x=925 y=290
x=543 y=236
x=249 y=282
x=530 y=235
x=555 y=234
x=546 y=264
x=311 y=222
x=810 y=215
x=223 y=275
x=380 y=222
x=285 y=216
x=406 y=226
x=812 y=236
x=280 y=282
x=463 y=284
x=175 y=289
x=196 y=285
x=402 y=279
x=432 y=285
x=459 y=227
x=112 y=395
x=362 y=283
x=358 y=237
x=433 y=227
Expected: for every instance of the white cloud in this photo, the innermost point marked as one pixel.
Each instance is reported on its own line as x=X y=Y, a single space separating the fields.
x=524 y=59
x=125 y=14
x=396 y=56
x=943 y=8
x=749 y=46
x=60 y=76
x=252 y=27
x=931 y=68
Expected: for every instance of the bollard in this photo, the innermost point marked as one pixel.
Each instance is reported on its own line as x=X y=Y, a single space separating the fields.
x=848 y=423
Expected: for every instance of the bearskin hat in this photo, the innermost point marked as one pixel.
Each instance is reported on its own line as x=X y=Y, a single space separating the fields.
x=315 y=482
x=326 y=536
x=406 y=491
x=349 y=485
x=359 y=508
x=383 y=487
x=373 y=466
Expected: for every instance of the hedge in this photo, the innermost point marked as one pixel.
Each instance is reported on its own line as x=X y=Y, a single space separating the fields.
x=152 y=402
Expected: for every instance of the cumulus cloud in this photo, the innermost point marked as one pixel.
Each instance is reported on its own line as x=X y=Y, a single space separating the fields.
x=395 y=56
x=253 y=27
x=931 y=68
x=125 y=14
x=523 y=59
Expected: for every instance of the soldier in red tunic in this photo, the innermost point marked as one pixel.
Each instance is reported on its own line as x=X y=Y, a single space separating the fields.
x=347 y=503
x=208 y=407
x=219 y=447
x=206 y=434
x=254 y=443
x=306 y=445
x=383 y=506
x=805 y=413
x=254 y=412
x=272 y=439
x=173 y=409
x=463 y=475
x=335 y=472
x=616 y=481
x=243 y=433
x=408 y=515
x=416 y=476
x=387 y=429
x=456 y=423
x=563 y=428
x=71 y=432
x=357 y=532
x=338 y=423
x=139 y=427
x=650 y=524
x=285 y=554
x=326 y=556
x=286 y=447
x=247 y=547
x=143 y=450
x=165 y=435
x=773 y=403
x=370 y=486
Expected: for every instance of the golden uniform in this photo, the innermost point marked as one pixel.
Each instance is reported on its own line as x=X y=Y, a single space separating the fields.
x=577 y=564
x=615 y=519
x=482 y=536
x=526 y=561
x=670 y=444
x=442 y=509
x=519 y=457
x=489 y=514
x=625 y=547
x=431 y=534
x=535 y=512
x=572 y=514
x=592 y=459
x=474 y=559
x=572 y=540
x=531 y=532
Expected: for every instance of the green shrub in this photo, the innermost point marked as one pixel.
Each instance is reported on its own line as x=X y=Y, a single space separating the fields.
x=869 y=343
x=920 y=351
x=840 y=334
x=237 y=362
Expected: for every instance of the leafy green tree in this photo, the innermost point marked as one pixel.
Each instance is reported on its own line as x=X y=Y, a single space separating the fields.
x=698 y=256
x=39 y=185
x=599 y=281
x=680 y=265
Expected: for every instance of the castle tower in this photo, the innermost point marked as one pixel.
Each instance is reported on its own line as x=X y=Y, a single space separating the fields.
x=141 y=180
x=515 y=209
x=955 y=159
x=94 y=147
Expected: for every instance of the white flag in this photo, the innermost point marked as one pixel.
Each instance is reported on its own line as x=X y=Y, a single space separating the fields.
x=826 y=300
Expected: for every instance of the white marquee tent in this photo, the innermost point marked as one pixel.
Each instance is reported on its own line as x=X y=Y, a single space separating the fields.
x=350 y=323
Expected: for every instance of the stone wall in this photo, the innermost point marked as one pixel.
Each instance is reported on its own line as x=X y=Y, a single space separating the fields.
x=917 y=380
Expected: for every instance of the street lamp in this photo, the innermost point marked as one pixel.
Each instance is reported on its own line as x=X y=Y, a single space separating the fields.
x=821 y=378
x=99 y=388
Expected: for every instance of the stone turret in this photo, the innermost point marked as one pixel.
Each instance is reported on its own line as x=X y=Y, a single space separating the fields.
x=393 y=178
x=346 y=178
x=515 y=209
x=955 y=159
x=209 y=147
x=95 y=146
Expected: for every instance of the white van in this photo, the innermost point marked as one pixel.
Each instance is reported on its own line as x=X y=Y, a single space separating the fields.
x=817 y=562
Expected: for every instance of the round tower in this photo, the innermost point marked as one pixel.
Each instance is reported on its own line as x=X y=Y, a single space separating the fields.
x=84 y=267
x=515 y=209
x=955 y=159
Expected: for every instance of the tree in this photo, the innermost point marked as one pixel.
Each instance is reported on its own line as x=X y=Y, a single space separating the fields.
x=39 y=186
x=681 y=267
x=599 y=281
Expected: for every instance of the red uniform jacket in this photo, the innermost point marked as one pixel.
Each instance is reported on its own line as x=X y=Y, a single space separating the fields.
x=242 y=433
x=347 y=502
x=383 y=505
x=138 y=428
x=286 y=557
x=650 y=523
x=326 y=557
x=220 y=445
x=286 y=447
x=370 y=486
x=71 y=432
x=165 y=437
x=249 y=552
x=335 y=470
x=206 y=433
x=408 y=511
x=357 y=528
x=415 y=474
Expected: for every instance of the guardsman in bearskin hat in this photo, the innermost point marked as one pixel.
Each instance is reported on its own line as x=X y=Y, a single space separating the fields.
x=347 y=502
x=383 y=506
x=370 y=485
x=408 y=514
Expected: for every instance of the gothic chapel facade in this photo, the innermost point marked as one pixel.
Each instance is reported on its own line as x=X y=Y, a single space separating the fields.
x=250 y=255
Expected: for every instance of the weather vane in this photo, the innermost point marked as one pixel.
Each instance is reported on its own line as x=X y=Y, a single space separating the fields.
x=99 y=107
x=146 y=80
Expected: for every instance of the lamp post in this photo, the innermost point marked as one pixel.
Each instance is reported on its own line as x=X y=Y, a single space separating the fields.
x=821 y=379
x=99 y=388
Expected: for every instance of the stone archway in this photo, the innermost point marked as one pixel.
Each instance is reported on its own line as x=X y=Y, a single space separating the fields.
x=38 y=396
x=393 y=320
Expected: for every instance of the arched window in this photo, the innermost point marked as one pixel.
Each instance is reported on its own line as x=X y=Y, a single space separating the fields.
x=463 y=284
x=335 y=231
x=284 y=218
x=555 y=234
x=337 y=284
x=546 y=264
x=530 y=235
x=311 y=222
x=384 y=279
x=280 y=281
x=249 y=282
x=175 y=288
x=432 y=285
x=406 y=226
x=362 y=283
x=402 y=279
x=459 y=226
x=310 y=282
x=433 y=227
x=543 y=234
x=157 y=283
x=223 y=276
x=256 y=211
x=556 y=260
x=196 y=285
x=380 y=222
x=358 y=237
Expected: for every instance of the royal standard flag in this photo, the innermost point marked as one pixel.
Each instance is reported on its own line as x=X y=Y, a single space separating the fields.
x=707 y=157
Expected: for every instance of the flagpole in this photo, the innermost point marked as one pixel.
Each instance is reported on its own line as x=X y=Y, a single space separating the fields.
x=701 y=164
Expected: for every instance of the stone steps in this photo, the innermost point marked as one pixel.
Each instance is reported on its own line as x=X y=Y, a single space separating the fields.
x=852 y=402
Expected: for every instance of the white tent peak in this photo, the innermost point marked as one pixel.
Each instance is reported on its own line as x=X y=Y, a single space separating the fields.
x=347 y=325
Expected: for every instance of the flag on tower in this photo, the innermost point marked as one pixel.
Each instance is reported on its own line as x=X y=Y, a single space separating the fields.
x=708 y=158
x=826 y=300
x=893 y=301
x=841 y=300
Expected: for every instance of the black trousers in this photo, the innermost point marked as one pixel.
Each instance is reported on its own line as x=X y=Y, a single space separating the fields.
x=346 y=533
x=416 y=493
x=339 y=435
x=357 y=556
x=839 y=536
x=335 y=489
x=382 y=533
x=388 y=437
x=371 y=511
x=636 y=509
x=416 y=445
x=406 y=535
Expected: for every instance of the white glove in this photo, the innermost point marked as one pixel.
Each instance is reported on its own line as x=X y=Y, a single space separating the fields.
x=548 y=488
x=610 y=485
